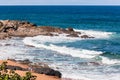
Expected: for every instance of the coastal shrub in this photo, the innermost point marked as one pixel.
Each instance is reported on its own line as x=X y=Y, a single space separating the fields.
x=11 y=75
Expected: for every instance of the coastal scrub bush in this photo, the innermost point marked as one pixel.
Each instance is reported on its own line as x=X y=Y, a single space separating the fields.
x=6 y=74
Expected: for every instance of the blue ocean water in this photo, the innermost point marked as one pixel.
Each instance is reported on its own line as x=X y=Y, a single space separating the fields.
x=72 y=57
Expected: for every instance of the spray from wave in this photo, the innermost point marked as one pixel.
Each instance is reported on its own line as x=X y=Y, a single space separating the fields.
x=95 y=34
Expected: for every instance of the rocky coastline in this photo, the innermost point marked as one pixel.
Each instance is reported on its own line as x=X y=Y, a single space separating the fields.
x=21 y=67
x=40 y=68
x=15 y=28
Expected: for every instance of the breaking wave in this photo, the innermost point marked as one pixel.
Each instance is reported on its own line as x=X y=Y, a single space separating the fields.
x=47 y=42
x=65 y=50
x=96 y=34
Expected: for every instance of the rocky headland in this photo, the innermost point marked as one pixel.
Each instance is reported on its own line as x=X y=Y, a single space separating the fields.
x=14 y=28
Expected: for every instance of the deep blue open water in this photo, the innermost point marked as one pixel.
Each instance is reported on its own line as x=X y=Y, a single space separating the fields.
x=74 y=58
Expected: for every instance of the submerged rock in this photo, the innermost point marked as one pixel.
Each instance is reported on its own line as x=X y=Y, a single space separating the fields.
x=73 y=35
x=86 y=36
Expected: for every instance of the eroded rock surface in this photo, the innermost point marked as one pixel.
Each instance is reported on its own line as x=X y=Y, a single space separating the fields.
x=14 y=28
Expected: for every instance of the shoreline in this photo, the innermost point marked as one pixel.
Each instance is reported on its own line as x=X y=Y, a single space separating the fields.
x=15 y=28
x=22 y=73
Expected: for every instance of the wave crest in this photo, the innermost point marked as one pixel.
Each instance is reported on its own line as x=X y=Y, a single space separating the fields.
x=95 y=34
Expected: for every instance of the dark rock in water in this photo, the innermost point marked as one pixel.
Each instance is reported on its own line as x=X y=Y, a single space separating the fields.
x=72 y=35
x=30 y=45
x=48 y=71
x=94 y=63
x=84 y=36
x=7 y=44
x=16 y=68
x=70 y=29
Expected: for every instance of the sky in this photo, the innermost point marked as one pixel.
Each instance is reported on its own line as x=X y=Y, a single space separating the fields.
x=59 y=2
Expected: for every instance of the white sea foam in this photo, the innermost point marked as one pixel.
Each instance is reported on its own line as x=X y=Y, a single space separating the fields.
x=96 y=34
x=39 y=41
x=10 y=48
x=54 y=39
x=92 y=76
x=82 y=53
x=73 y=76
x=108 y=61
x=8 y=52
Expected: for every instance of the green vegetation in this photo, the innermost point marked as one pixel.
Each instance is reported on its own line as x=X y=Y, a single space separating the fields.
x=11 y=75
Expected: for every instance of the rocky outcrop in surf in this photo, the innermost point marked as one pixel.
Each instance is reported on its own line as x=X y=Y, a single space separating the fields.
x=14 y=28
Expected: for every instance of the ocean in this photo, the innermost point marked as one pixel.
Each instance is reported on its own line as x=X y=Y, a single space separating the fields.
x=75 y=58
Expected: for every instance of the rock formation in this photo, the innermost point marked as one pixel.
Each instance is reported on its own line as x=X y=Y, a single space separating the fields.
x=14 y=28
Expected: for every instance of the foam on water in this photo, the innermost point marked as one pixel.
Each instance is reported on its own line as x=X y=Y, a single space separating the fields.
x=82 y=53
x=11 y=47
x=108 y=61
x=40 y=41
x=54 y=39
x=91 y=76
x=74 y=76
x=96 y=34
